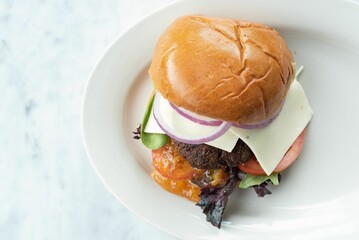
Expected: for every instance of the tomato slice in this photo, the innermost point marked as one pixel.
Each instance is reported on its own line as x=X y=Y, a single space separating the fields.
x=253 y=167
x=170 y=164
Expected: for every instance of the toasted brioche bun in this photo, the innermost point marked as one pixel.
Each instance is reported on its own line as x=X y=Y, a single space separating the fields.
x=226 y=69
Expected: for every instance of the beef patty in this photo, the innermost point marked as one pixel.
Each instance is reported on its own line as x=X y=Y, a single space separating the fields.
x=207 y=157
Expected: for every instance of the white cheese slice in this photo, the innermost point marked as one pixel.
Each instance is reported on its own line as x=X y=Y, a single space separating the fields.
x=152 y=126
x=269 y=144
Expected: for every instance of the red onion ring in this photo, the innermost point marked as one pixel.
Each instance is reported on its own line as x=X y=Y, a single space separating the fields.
x=260 y=124
x=191 y=116
x=220 y=130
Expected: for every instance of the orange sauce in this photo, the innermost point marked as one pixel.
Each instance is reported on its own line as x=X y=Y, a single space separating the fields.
x=184 y=188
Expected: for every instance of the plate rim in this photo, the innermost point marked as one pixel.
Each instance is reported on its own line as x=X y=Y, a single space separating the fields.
x=84 y=97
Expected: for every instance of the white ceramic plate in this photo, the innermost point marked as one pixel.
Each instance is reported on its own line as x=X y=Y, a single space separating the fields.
x=318 y=197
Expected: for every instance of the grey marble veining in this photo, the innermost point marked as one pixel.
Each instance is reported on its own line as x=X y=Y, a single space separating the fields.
x=48 y=189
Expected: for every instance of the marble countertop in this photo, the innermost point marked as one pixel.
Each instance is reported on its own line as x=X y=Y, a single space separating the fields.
x=48 y=189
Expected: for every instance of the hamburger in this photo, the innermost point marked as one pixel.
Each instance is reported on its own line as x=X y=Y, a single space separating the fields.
x=227 y=110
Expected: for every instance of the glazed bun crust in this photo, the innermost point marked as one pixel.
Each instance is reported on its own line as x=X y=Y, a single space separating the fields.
x=226 y=69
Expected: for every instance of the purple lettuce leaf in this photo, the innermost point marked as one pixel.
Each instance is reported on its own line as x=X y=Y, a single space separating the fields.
x=137 y=133
x=214 y=199
x=262 y=189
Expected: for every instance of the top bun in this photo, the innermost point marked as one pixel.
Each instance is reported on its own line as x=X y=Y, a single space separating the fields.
x=227 y=69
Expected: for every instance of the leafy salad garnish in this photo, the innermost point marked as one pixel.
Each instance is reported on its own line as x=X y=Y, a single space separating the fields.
x=251 y=180
x=259 y=183
x=152 y=140
x=214 y=199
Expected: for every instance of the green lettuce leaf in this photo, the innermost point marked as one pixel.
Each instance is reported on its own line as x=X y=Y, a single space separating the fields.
x=152 y=140
x=251 y=180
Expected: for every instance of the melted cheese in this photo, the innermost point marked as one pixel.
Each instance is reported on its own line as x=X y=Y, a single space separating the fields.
x=269 y=144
